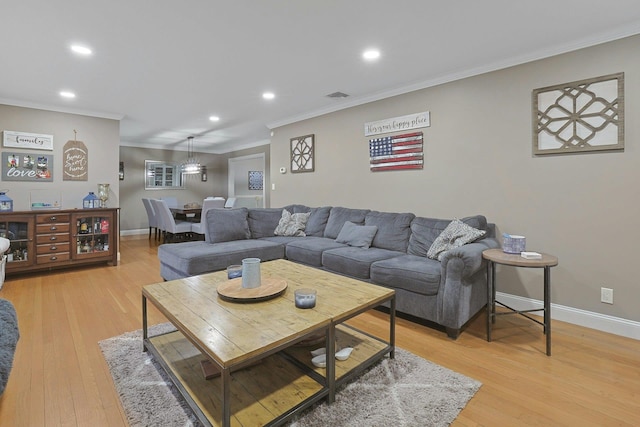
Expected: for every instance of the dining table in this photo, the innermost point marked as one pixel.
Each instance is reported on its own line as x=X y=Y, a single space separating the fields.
x=183 y=213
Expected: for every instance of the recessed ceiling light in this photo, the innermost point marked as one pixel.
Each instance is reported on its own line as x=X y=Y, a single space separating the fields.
x=67 y=94
x=371 y=54
x=214 y=118
x=268 y=95
x=82 y=50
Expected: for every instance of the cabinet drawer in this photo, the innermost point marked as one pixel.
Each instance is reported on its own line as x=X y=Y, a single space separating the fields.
x=52 y=238
x=52 y=258
x=52 y=218
x=52 y=248
x=52 y=228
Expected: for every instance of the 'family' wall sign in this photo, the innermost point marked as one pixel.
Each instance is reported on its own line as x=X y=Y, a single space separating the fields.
x=32 y=141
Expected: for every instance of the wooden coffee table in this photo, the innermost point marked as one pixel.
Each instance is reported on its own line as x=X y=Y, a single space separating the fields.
x=266 y=376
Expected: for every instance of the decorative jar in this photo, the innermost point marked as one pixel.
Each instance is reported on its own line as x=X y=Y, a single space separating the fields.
x=514 y=244
x=305 y=298
x=103 y=194
x=234 y=271
x=251 y=273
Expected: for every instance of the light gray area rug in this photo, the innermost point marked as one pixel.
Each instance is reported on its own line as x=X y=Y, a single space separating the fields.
x=407 y=391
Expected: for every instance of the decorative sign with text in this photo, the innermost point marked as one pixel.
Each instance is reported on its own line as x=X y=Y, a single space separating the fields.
x=396 y=124
x=27 y=167
x=75 y=161
x=33 y=141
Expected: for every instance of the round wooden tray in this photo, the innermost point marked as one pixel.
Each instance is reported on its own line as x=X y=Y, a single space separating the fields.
x=232 y=290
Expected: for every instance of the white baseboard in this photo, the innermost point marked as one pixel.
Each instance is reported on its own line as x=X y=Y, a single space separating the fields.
x=134 y=232
x=576 y=316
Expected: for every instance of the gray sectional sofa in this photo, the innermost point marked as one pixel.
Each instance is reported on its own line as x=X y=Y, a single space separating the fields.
x=384 y=248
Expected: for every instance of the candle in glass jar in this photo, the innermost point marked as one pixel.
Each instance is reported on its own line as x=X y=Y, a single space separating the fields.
x=305 y=298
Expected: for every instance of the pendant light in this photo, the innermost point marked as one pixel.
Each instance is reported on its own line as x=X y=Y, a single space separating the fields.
x=191 y=165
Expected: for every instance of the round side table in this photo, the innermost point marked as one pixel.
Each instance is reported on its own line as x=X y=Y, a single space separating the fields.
x=498 y=256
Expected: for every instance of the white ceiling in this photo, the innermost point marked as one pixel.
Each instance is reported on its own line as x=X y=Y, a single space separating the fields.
x=165 y=66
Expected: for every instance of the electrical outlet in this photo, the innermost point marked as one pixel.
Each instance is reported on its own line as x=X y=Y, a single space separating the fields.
x=606 y=295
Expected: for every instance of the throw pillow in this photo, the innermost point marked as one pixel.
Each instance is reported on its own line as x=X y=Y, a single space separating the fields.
x=292 y=225
x=359 y=236
x=338 y=216
x=225 y=225
x=455 y=235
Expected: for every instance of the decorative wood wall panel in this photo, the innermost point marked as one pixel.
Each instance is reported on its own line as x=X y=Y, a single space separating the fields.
x=586 y=115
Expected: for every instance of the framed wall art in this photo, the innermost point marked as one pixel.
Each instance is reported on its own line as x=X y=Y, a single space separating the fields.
x=398 y=152
x=302 y=154
x=27 y=167
x=256 y=180
x=581 y=116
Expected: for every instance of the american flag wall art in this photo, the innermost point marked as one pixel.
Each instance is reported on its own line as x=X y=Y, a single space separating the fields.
x=396 y=152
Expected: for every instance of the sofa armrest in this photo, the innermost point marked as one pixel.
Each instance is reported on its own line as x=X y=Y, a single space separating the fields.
x=470 y=254
x=463 y=284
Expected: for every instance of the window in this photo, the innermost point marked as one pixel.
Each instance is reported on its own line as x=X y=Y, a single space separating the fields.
x=162 y=175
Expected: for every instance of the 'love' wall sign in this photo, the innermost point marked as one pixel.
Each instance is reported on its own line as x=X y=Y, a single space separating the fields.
x=27 y=167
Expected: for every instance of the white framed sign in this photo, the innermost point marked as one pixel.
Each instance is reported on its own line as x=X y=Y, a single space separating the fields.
x=33 y=141
x=395 y=124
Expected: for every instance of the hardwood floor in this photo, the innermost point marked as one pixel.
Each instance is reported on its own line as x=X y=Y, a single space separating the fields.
x=60 y=378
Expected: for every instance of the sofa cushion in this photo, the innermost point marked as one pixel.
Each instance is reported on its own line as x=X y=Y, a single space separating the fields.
x=292 y=225
x=225 y=225
x=455 y=235
x=263 y=221
x=360 y=236
x=409 y=272
x=338 y=216
x=308 y=250
x=193 y=258
x=297 y=208
x=317 y=221
x=424 y=231
x=354 y=261
x=394 y=229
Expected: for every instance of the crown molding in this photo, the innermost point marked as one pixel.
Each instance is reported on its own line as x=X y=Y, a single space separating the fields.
x=593 y=40
x=59 y=109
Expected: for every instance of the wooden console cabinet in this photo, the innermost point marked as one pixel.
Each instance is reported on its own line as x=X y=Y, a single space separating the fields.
x=43 y=240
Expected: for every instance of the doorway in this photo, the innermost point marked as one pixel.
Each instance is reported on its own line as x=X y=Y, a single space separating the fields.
x=247 y=180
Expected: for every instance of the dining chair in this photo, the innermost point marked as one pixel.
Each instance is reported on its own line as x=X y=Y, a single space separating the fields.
x=171 y=227
x=207 y=204
x=172 y=202
x=230 y=203
x=153 y=218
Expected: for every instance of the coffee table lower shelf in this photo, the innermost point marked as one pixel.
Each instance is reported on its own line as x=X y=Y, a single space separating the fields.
x=269 y=392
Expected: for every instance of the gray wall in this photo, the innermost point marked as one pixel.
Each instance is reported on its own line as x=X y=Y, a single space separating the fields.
x=478 y=159
x=100 y=136
x=132 y=214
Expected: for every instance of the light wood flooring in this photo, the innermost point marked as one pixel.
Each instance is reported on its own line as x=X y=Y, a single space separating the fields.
x=60 y=378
